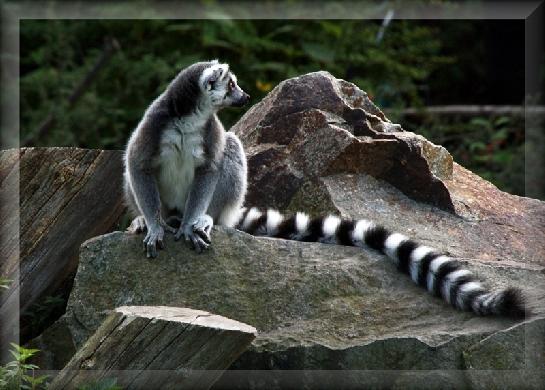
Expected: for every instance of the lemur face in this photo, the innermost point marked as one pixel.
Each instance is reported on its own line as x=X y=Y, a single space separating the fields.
x=220 y=86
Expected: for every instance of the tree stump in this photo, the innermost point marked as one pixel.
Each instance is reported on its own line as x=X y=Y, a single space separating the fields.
x=65 y=196
x=158 y=347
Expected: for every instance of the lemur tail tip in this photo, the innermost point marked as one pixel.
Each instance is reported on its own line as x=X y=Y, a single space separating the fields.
x=513 y=304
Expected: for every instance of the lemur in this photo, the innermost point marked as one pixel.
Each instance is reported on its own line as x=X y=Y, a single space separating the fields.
x=181 y=165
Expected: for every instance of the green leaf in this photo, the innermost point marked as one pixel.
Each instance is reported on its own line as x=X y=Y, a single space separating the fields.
x=502 y=121
x=4 y=283
x=477 y=146
x=332 y=28
x=482 y=122
x=500 y=134
x=16 y=355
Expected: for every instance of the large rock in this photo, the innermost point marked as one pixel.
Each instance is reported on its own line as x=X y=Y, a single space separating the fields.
x=318 y=144
x=53 y=200
x=315 y=306
x=316 y=125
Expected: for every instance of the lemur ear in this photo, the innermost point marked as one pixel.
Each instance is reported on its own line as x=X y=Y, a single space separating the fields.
x=212 y=76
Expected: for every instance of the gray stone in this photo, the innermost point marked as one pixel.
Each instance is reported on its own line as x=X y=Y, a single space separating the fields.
x=316 y=306
x=511 y=358
x=56 y=347
x=316 y=125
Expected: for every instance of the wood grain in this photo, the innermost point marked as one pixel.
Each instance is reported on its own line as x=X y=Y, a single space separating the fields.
x=158 y=347
x=53 y=200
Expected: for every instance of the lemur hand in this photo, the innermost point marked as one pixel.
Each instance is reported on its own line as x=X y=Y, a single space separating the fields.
x=198 y=232
x=154 y=238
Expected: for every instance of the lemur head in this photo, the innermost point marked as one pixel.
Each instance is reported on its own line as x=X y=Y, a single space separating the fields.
x=219 y=85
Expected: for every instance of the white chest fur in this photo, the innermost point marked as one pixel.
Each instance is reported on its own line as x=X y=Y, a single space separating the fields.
x=181 y=152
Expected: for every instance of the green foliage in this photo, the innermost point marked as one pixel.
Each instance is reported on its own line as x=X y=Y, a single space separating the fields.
x=57 y=54
x=103 y=384
x=4 y=283
x=18 y=374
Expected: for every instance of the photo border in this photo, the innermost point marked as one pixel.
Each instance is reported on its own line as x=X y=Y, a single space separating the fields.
x=13 y=12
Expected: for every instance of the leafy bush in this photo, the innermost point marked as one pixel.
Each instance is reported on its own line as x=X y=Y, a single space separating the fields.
x=18 y=374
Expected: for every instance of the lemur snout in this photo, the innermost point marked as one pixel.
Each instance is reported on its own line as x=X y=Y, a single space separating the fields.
x=242 y=101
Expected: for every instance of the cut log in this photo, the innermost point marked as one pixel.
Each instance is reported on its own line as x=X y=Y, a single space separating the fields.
x=158 y=347
x=53 y=199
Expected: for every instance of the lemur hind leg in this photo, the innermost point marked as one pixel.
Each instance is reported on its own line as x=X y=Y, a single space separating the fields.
x=227 y=198
x=138 y=224
x=231 y=187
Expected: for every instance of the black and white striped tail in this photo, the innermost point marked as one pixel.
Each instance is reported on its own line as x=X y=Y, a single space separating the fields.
x=436 y=272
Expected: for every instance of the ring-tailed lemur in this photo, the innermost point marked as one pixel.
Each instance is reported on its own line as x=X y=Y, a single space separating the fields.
x=181 y=164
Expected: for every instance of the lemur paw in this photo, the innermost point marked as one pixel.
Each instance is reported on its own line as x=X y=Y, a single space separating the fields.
x=138 y=225
x=154 y=240
x=204 y=225
x=198 y=233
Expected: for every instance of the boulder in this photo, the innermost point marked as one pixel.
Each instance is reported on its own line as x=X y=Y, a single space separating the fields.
x=315 y=306
x=316 y=125
x=318 y=144
x=59 y=197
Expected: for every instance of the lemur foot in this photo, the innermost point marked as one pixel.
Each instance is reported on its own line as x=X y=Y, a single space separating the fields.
x=138 y=225
x=198 y=233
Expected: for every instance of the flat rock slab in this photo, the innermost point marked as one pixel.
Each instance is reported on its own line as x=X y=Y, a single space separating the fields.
x=316 y=306
x=490 y=225
x=157 y=347
x=53 y=199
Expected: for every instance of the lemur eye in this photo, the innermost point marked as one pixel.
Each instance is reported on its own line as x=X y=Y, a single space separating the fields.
x=231 y=84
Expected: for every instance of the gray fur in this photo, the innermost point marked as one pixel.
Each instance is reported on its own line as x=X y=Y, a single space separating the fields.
x=180 y=161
